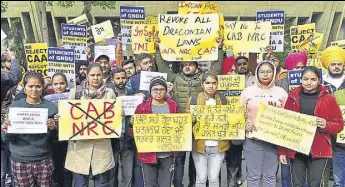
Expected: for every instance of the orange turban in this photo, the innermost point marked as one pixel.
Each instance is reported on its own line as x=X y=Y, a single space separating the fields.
x=331 y=54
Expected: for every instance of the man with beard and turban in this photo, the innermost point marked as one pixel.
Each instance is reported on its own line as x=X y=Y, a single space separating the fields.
x=126 y=150
x=333 y=59
x=294 y=61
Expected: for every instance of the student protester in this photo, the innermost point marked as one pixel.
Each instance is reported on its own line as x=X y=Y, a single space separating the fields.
x=261 y=157
x=81 y=75
x=208 y=155
x=312 y=98
x=242 y=67
x=31 y=154
x=129 y=67
x=83 y=156
x=61 y=176
x=157 y=167
x=339 y=152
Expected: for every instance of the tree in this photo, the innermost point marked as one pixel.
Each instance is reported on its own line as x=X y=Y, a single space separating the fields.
x=4 y=6
x=287 y=44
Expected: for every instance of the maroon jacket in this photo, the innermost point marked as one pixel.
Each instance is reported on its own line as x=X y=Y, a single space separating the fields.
x=145 y=108
x=327 y=108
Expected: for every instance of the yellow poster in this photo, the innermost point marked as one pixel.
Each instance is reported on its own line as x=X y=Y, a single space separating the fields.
x=37 y=57
x=151 y=20
x=219 y=122
x=163 y=132
x=246 y=36
x=233 y=100
x=300 y=34
x=312 y=45
x=285 y=128
x=89 y=119
x=190 y=37
x=340 y=43
x=126 y=29
x=102 y=31
x=143 y=38
x=231 y=82
x=341 y=135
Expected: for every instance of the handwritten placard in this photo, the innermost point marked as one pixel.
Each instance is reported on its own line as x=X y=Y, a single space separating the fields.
x=143 y=38
x=285 y=128
x=163 y=132
x=231 y=82
x=219 y=122
x=340 y=43
x=37 y=57
x=108 y=50
x=77 y=119
x=102 y=31
x=28 y=120
x=300 y=33
x=341 y=135
x=146 y=77
x=189 y=37
x=130 y=103
x=246 y=36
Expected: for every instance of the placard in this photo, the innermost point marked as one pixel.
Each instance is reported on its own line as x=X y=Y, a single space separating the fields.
x=37 y=57
x=27 y=120
x=145 y=79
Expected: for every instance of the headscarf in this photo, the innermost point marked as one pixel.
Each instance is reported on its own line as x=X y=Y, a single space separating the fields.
x=98 y=94
x=294 y=58
x=331 y=54
x=228 y=63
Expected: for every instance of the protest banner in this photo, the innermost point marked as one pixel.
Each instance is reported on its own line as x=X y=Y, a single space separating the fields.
x=341 y=135
x=62 y=61
x=27 y=120
x=145 y=79
x=231 y=82
x=102 y=31
x=144 y=38
x=233 y=96
x=285 y=128
x=75 y=37
x=129 y=16
x=82 y=20
x=340 y=43
x=54 y=98
x=277 y=19
x=189 y=37
x=295 y=78
x=301 y=33
x=312 y=45
x=3 y=35
x=89 y=119
x=163 y=132
x=152 y=20
x=246 y=36
x=108 y=50
x=37 y=57
x=130 y=103
x=219 y=122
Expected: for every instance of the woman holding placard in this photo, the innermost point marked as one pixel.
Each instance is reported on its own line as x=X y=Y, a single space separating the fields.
x=312 y=98
x=261 y=157
x=208 y=155
x=31 y=154
x=91 y=157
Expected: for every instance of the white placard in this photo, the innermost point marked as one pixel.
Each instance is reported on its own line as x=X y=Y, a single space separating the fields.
x=130 y=103
x=28 y=120
x=108 y=50
x=54 y=98
x=145 y=79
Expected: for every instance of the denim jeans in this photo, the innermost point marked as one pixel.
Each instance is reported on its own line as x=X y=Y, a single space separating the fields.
x=126 y=162
x=100 y=180
x=179 y=169
x=159 y=174
x=339 y=167
x=137 y=180
x=5 y=166
x=208 y=166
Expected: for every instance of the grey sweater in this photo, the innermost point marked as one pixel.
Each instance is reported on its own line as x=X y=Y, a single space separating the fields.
x=31 y=147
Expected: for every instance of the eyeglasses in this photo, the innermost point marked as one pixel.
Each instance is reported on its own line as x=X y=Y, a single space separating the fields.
x=265 y=72
x=156 y=90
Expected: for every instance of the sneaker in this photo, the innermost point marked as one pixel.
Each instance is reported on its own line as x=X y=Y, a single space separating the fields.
x=239 y=182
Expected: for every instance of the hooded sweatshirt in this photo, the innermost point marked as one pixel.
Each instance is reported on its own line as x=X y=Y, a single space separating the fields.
x=252 y=96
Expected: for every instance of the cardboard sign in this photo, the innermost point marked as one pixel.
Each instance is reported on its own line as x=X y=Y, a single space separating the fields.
x=219 y=122
x=130 y=103
x=37 y=57
x=231 y=82
x=163 y=132
x=285 y=128
x=28 y=120
x=62 y=61
x=89 y=119
x=102 y=31
x=295 y=78
x=300 y=33
x=108 y=50
x=340 y=43
x=341 y=135
x=144 y=38
x=75 y=37
x=82 y=20
x=145 y=79
x=189 y=37
x=130 y=16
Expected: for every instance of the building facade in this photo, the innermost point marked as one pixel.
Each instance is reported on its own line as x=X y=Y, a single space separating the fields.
x=327 y=15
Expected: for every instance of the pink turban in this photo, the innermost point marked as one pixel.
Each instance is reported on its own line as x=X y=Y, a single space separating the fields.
x=228 y=63
x=294 y=58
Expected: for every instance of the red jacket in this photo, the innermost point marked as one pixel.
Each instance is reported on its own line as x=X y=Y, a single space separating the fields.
x=145 y=108
x=327 y=108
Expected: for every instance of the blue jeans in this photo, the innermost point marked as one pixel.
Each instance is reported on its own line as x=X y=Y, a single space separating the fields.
x=5 y=166
x=101 y=180
x=137 y=180
x=286 y=175
x=179 y=169
x=339 y=166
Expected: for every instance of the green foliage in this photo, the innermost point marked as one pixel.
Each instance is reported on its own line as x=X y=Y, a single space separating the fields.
x=15 y=42
x=4 y=6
